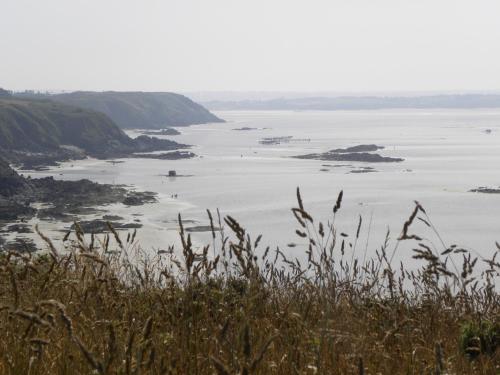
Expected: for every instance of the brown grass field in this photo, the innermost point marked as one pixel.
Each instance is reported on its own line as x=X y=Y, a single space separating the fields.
x=103 y=306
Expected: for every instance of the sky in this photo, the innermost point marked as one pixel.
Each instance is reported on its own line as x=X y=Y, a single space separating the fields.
x=250 y=45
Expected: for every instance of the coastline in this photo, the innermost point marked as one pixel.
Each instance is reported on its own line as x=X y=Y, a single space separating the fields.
x=158 y=225
x=255 y=183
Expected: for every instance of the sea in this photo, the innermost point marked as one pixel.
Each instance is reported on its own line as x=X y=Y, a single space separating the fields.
x=446 y=154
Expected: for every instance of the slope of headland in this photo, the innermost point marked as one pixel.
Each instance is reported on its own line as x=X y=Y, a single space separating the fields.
x=41 y=132
x=141 y=110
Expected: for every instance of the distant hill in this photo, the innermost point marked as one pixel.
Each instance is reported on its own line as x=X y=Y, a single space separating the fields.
x=361 y=103
x=39 y=128
x=145 y=110
x=40 y=125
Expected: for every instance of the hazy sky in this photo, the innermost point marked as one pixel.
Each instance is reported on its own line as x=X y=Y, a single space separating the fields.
x=299 y=45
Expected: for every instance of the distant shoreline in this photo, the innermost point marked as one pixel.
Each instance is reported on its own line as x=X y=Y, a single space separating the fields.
x=464 y=101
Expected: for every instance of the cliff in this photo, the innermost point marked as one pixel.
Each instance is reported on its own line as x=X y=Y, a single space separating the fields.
x=141 y=110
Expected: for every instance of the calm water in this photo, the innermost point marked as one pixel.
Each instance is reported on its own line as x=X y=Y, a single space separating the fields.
x=446 y=152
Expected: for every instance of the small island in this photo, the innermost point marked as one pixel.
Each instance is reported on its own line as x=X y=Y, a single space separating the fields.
x=360 y=153
x=166 y=131
x=57 y=200
x=174 y=155
x=245 y=128
x=485 y=190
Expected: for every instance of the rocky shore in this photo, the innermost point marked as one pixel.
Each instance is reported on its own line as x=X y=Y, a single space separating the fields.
x=22 y=199
x=103 y=226
x=142 y=146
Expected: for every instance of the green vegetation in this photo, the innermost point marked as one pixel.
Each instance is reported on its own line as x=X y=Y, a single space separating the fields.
x=44 y=125
x=37 y=130
x=478 y=338
x=42 y=132
x=141 y=110
x=104 y=306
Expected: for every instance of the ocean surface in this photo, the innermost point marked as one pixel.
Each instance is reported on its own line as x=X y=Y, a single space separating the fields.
x=446 y=153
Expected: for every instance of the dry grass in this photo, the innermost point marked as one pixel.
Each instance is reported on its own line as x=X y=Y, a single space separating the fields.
x=103 y=307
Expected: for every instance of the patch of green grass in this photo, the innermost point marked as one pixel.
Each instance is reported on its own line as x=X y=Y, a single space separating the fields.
x=480 y=338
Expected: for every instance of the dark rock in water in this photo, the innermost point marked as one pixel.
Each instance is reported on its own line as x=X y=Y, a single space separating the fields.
x=76 y=193
x=43 y=160
x=78 y=197
x=245 y=128
x=112 y=217
x=11 y=209
x=144 y=143
x=486 y=190
x=76 y=209
x=132 y=201
x=101 y=226
x=275 y=140
x=202 y=228
x=173 y=176
x=19 y=228
x=175 y=155
x=355 y=156
x=363 y=171
x=140 y=198
x=359 y=148
x=55 y=214
x=360 y=153
x=65 y=212
x=21 y=245
x=167 y=131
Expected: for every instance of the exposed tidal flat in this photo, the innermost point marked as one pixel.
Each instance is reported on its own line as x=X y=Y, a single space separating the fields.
x=445 y=154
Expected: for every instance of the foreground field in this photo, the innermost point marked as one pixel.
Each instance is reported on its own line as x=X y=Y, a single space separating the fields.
x=103 y=306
